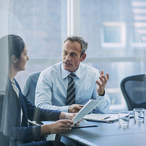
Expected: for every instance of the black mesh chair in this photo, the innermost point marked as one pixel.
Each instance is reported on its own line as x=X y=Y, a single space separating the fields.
x=134 y=91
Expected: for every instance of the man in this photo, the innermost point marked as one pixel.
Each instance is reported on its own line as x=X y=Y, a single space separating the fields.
x=52 y=88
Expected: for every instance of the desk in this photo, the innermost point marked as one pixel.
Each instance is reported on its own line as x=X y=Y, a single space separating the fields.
x=109 y=134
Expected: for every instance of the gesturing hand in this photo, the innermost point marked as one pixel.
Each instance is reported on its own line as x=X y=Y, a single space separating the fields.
x=102 y=83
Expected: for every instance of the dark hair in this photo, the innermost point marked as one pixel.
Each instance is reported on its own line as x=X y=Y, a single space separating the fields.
x=14 y=44
x=84 y=44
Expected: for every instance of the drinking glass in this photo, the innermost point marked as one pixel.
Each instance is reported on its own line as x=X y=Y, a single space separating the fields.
x=124 y=119
x=138 y=115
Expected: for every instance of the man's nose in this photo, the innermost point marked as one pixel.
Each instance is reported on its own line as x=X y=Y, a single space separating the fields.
x=68 y=57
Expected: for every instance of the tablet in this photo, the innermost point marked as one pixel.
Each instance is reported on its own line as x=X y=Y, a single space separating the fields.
x=88 y=107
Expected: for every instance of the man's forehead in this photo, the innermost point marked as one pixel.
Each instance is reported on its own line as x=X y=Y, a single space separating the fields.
x=75 y=46
x=72 y=50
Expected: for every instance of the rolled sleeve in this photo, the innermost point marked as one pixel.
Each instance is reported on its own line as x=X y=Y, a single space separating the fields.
x=103 y=107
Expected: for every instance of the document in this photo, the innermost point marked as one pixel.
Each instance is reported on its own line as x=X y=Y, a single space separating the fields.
x=107 y=118
x=88 y=107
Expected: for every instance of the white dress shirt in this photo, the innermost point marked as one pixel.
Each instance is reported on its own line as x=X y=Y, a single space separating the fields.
x=51 y=90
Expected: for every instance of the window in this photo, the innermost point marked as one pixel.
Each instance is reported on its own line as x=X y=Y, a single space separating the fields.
x=108 y=28
x=42 y=25
x=115 y=31
x=138 y=33
x=114 y=34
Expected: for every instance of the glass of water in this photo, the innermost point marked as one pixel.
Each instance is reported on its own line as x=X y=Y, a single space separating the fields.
x=124 y=119
x=139 y=115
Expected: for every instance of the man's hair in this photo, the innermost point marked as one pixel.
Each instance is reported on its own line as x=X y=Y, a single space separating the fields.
x=84 y=44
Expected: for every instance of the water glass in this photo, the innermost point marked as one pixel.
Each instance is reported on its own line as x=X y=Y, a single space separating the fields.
x=124 y=119
x=139 y=115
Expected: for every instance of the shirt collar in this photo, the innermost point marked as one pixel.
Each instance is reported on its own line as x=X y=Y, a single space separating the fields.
x=12 y=81
x=65 y=73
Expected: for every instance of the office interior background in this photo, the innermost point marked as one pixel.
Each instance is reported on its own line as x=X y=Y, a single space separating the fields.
x=114 y=29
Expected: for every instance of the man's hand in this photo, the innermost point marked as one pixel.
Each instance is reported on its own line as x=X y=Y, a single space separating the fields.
x=65 y=115
x=74 y=108
x=102 y=83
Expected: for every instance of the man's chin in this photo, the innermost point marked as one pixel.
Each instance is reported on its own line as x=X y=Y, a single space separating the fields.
x=67 y=68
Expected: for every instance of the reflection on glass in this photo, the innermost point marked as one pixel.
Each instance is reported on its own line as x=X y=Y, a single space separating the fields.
x=112 y=34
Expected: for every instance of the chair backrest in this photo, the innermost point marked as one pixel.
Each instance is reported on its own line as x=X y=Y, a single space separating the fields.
x=4 y=140
x=30 y=85
x=134 y=91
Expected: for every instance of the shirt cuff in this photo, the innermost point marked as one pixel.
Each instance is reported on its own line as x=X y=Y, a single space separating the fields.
x=102 y=97
x=102 y=94
x=64 y=108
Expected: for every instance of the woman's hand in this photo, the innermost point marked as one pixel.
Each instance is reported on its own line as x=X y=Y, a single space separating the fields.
x=59 y=126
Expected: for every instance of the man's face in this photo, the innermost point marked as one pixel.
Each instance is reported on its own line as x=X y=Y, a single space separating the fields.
x=72 y=55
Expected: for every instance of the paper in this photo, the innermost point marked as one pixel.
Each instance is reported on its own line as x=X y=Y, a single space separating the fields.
x=88 y=107
x=102 y=117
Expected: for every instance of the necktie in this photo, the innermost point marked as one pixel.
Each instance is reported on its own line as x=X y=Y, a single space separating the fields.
x=71 y=90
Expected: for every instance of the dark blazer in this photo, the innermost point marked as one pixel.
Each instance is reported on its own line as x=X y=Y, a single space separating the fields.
x=11 y=125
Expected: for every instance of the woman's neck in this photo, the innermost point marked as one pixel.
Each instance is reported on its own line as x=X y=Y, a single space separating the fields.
x=12 y=72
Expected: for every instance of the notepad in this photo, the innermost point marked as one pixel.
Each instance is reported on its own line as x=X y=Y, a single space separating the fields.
x=102 y=117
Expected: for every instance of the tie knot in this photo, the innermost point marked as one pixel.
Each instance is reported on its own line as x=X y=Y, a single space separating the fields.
x=72 y=75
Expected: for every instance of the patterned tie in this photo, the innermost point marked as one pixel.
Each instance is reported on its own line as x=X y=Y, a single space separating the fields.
x=71 y=90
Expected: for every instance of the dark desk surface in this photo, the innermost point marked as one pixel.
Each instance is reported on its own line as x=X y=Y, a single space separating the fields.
x=109 y=134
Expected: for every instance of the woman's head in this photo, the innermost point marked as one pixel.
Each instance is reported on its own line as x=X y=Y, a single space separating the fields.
x=14 y=43
x=17 y=52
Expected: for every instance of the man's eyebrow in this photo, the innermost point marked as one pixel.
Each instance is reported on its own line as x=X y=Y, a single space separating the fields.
x=73 y=53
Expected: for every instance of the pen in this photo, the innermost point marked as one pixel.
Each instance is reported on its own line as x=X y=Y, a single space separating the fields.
x=106 y=118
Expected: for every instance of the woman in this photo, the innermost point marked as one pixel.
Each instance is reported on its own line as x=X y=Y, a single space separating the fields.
x=17 y=109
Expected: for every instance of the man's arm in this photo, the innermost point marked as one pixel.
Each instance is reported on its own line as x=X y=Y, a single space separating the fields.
x=100 y=94
x=43 y=96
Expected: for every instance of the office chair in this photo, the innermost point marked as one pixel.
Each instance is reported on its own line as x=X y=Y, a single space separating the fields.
x=134 y=91
x=30 y=85
x=4 y=140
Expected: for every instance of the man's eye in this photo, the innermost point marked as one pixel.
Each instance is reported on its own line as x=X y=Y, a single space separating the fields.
x=73 y=55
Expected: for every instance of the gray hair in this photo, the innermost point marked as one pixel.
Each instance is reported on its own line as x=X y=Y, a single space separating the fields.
x=84 y=44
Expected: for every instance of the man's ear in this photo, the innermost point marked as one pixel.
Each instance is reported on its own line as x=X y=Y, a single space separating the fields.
x=83 y=57
x=13 y=58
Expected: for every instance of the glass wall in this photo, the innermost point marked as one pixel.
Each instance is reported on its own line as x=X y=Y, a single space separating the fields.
x=42 y=25
x=114 y=29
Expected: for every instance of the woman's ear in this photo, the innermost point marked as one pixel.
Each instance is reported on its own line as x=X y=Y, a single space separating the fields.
x=13 y=58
